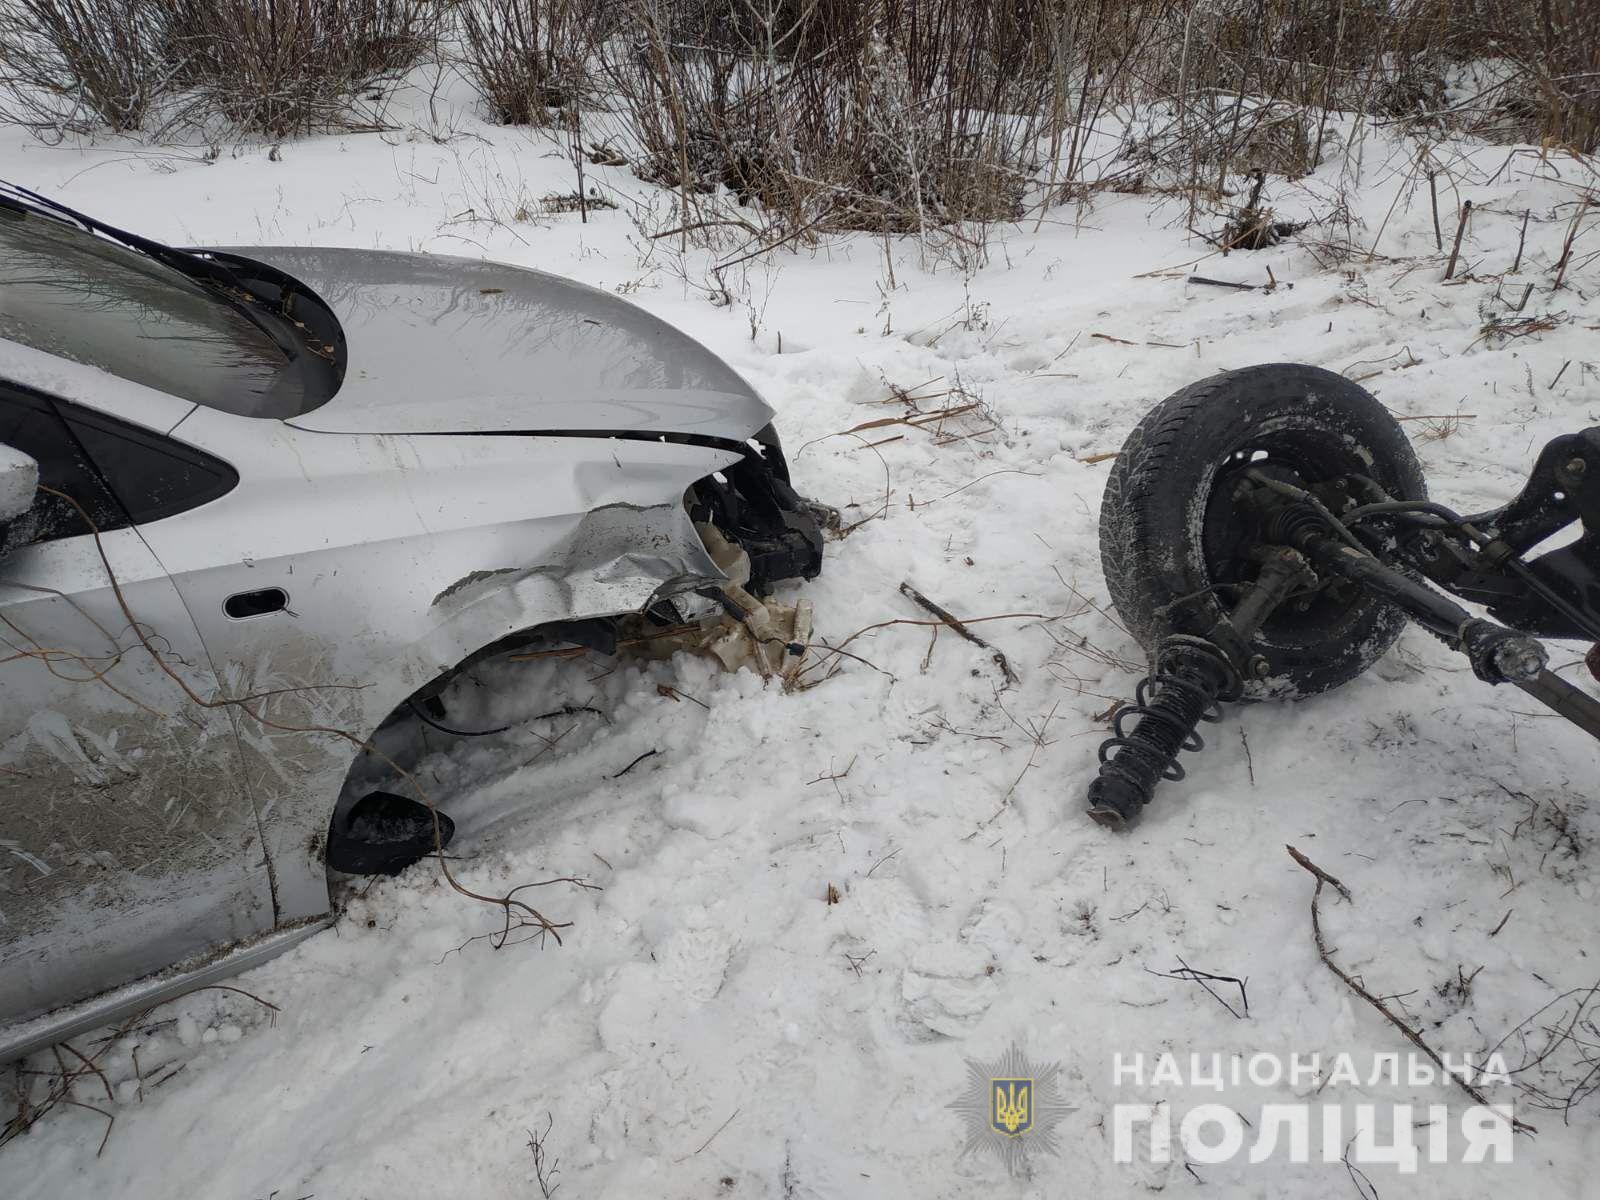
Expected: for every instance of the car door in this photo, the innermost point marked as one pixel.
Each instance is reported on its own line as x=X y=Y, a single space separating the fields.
x=127 y=841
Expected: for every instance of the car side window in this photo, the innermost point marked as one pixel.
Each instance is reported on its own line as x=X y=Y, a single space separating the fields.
x=121 y=474
x=152 y=476
x=28 y=424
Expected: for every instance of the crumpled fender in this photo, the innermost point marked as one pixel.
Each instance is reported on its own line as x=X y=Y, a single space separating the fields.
x=618 y=559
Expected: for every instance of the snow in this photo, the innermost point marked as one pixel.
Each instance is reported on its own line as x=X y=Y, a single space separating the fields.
x=19 y=479
x=711 y=1025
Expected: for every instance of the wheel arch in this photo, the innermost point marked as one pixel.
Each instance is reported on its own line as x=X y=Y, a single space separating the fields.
x=620 y=561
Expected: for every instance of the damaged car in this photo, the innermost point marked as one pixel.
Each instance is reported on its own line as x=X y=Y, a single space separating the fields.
x=255 y=502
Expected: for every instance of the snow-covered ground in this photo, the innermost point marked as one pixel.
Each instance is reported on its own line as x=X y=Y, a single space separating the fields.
x=711 y=1024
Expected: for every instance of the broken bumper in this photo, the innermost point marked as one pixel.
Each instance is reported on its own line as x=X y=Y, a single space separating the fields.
x=753 y=504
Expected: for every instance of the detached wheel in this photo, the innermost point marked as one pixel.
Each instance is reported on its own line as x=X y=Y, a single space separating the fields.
x=1173 y=542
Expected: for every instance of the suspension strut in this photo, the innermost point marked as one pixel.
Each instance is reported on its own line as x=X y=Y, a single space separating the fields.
x=1191 y=678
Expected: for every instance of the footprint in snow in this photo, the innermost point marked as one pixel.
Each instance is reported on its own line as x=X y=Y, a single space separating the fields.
x=693 y=963
x=948 y=987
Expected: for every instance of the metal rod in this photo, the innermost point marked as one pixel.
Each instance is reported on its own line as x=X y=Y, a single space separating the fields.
x=1575 y=704
x=1420 y=602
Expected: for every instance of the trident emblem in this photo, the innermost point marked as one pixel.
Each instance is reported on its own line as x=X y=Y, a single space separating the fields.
x=1013 y=1106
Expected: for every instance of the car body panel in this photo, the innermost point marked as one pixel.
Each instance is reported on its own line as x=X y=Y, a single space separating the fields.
x=400 y=556
x=125 y=818
x=24 y=1037
x=505 y=450
x=443 y=345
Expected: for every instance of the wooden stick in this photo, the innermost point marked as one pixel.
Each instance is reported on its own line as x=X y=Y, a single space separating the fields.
x=1319 y=873
x=1461 y=228
x=1566 y=250
x=1222 y=283
x=951 y=620
x=1433 y=194
x=1521 y=240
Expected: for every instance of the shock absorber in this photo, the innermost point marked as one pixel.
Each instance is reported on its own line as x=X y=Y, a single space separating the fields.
x=1191 y=676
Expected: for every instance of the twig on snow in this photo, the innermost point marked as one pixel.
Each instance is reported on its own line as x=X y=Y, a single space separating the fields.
x=1326 y=956
x=1222 y=283
x=955 y=623
x=635 y=763
x=545 y=1169
x=713 y=1137
x=1189 y=974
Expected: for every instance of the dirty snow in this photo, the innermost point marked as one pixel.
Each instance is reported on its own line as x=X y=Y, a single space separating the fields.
x=711 y=1025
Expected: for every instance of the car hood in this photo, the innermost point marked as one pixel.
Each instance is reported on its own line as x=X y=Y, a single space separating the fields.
x=439 y=344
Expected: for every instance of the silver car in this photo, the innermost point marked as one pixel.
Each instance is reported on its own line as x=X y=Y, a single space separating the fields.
x=283 y=492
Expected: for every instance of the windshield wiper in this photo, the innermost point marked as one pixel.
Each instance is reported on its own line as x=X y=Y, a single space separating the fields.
x=198 y=267
x=185 y=262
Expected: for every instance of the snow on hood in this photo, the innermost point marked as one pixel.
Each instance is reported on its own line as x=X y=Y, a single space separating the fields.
x=439 y=344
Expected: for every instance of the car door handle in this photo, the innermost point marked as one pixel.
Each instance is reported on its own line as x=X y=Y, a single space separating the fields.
x=259 y=603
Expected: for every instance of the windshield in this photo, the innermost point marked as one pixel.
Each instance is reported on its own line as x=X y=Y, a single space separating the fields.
x=71 y=293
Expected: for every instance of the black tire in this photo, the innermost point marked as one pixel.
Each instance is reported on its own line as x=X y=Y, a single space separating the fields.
x=1161 y=534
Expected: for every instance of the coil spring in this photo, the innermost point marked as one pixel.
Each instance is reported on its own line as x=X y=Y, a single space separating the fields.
x=1190 y=679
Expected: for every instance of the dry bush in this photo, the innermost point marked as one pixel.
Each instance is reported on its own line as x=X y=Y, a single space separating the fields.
x=528 y=57
x=759 y=29
x=896 y=115
x=71 y=66
x=1551 y=49
x=888 y=115
x=700 y=109
x=1223 y=90
x=1236 y=89
x=271 y=67
x=1536 y=62
x=885 y=115
x=284 y=67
